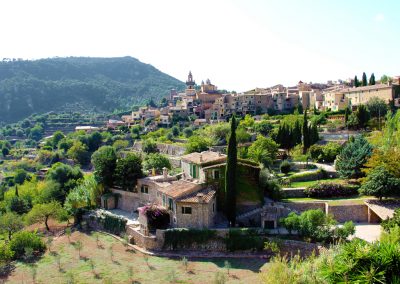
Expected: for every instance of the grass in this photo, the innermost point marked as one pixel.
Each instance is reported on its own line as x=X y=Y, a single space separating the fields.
x=312 y=182
x=357 y=199
x=98 y=265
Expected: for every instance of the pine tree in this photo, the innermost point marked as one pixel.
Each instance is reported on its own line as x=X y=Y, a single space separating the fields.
x=230 y=176
x=356 y=82
x=306 y=134
x=364 y=79
x=372 y=79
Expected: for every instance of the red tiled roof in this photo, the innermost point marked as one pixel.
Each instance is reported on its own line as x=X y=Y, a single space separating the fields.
x=204 y=157
x=203 y=196
x=180 y=188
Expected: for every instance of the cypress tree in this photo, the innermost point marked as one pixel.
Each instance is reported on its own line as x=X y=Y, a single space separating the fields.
x=372 y=79
x=364 y=79
x=297 y=133
x=314 y=136
x=230 y=176
x=356 y=82
x=346 y=115
x=306 y=134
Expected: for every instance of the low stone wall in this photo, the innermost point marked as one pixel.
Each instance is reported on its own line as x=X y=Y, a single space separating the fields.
x=291 y=248
x=294 y=192
x=150 y=242
x=304 y=206
x=355 y=213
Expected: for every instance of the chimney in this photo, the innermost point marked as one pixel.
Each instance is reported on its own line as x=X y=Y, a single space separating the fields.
x=200 y=197
x=201 y=157
x=165 y=172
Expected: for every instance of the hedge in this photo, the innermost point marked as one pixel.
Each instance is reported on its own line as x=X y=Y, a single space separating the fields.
x=114 y=224
x=308 y=176
x=185 y=238
x=330 y=189
x=244 y=239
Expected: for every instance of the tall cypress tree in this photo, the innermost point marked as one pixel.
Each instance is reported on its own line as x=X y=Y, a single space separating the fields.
x=372 y=79
x=230 y=176
x=346 y=115
x=364 y=79
x=306 y=133
x=314 y=135
x=297 y=133
x=356 y=82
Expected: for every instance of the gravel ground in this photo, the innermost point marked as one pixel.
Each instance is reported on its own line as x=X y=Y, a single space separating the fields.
x=368 y=232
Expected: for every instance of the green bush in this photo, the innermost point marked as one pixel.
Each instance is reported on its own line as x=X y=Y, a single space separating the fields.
x=244 y=239
x=309 y=176
x=330 y=189
x=270 y=185
x=315 y=225
x=26 y=240
x=285 y=167
x=114 y=224
x=185 y=238
x=392 y=222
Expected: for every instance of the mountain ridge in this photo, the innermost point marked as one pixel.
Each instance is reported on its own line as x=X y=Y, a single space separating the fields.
x=94 y=83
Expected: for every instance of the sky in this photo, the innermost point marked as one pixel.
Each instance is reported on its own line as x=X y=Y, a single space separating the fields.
x=237 y=44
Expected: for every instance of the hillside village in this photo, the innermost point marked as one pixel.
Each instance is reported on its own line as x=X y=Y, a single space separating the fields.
x=207 y=104
x=158 y=178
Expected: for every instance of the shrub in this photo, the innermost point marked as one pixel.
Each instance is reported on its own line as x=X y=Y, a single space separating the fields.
x=330 y=189
x=114 y=224
x=392 y=222
x=6 y=254
x=244 y=239
x=185 y=238
x=270 y=185
x=308 y=176
x=315 y=225
x=285 y=167
x=24 y=240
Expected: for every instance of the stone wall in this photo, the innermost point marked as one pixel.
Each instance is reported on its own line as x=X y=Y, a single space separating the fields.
x=290 y=248
x=168 y=149
x=303 y=206
x=355 y=213
x=128 y=201
x=202 y=214
x=150 y=242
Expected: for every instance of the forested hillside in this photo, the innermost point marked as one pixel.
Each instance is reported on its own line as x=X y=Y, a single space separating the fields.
x=78 y=84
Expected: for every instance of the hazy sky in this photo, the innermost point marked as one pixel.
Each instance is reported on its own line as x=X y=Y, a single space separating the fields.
x=239 y=45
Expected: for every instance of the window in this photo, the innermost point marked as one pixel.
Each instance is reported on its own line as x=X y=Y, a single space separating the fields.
x=186 y=210
x=164 y=200
x=193 y=171
x=216 y=174
x=144 y=189
x=170 y=204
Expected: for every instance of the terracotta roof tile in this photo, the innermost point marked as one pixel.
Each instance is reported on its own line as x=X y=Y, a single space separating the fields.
x=204 y=157
x=180 y=188
x=204 y=196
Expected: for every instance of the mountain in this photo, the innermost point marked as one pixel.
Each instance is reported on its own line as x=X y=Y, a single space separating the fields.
x=79 y=84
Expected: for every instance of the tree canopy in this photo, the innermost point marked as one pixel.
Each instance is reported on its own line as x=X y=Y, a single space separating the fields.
x=352 y=158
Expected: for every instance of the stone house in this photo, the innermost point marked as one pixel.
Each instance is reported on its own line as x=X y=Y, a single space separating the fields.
x=191 y=197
